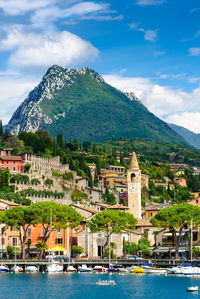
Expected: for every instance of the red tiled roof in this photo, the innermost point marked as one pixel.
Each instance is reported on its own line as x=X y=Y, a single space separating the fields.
x=11 y=158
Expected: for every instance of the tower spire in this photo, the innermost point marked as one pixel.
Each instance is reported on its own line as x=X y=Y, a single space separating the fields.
x=134 y=162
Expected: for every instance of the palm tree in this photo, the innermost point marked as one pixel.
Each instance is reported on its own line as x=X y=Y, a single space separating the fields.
x=155 y=233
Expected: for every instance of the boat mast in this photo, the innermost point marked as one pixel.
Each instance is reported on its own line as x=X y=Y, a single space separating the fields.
x=50 y=231
x=191 y=240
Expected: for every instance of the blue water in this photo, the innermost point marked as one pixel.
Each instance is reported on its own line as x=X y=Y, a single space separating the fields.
x=83 y=285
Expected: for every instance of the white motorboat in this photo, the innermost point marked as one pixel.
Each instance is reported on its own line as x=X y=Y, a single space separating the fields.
x=100 y=269
x=17 y=269
x=154 y=270
x=71 y=269
x=193 y=289
x=123 y=270
x=3 y=268
x=187 y=270
x=31 y=269
x=54 y=267
x=84 y=268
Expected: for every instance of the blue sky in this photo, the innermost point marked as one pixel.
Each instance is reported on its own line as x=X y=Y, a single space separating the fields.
x=149 y=47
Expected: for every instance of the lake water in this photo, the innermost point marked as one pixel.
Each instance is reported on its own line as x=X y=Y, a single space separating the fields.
x=83 y=285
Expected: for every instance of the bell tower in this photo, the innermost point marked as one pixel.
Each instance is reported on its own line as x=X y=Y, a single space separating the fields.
x=134 y=187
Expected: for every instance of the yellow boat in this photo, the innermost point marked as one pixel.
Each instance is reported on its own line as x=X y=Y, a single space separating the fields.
x=138 y=270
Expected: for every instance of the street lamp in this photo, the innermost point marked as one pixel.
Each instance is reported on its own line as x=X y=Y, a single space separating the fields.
x=100 y=236
x=109 y=228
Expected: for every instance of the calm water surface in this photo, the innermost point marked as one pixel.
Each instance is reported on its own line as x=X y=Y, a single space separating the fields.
x=83 y=285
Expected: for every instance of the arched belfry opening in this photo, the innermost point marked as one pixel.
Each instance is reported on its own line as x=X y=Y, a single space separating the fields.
x=132 y=177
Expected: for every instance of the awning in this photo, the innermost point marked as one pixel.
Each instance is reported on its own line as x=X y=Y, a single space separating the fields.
x=58 y=248
x=161 y=249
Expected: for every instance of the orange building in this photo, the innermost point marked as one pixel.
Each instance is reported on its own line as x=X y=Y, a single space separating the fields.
x=13 y=163
x=65 y=237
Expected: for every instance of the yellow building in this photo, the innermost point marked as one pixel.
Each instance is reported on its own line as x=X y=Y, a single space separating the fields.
x=152 y=209
x=13 y=237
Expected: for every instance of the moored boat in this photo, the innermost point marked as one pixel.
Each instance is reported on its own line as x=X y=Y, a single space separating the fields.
x=184 y=270
x=71 y=269
x=154 y=270
x=84 y=268
x=54 y=267
x=31 y=269
x=138 y=270
x=100 y=269
x=17 y=269
x=3 y=268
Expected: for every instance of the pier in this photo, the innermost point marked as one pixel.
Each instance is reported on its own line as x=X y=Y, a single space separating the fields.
x=42 y=264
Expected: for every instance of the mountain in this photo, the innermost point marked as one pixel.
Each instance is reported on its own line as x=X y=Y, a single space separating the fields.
x=189 y=136
x=79 y=104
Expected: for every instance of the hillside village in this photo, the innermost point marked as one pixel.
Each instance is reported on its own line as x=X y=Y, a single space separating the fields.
x=131 y=184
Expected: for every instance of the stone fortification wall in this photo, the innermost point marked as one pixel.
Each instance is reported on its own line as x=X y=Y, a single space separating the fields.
x=45 y=165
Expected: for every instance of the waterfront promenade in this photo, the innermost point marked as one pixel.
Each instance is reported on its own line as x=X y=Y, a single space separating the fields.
x=41 y=264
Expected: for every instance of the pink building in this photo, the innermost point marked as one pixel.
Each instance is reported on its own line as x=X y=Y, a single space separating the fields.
x=180 y=182
x=13 y=163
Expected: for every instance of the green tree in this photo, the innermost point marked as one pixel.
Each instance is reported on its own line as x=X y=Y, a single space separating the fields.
x=175 y=217
x=112 y=247
x=22 y=219
x=130 y=247
x=155 y=233
x=77 y=250
x=109 y=197
x=143 y=245
x=63 y=216
x=111 y=221
x=78 y=196
x=86 y=146
x=1 y=129
x=42 y=247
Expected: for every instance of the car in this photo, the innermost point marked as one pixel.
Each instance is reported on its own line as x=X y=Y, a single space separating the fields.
x=133 y=257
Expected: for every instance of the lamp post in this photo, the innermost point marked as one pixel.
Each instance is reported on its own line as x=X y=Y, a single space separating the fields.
x=109 y=228
x=100 y=236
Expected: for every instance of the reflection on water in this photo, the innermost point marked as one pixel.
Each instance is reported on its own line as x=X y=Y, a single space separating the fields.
x=83 y=285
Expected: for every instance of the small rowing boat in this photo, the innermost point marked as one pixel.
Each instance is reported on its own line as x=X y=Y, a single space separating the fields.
x=105 y=283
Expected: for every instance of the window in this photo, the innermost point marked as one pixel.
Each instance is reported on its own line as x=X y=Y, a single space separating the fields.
x=14 y=241
x=7 y=162
x=14 y=168
x=151 y=214
x=29 y=232
x=14 y=162
x=197 y=201
x=2 y=162
x=59 y=241
x=59 y=232
x=13 y=229
x=2 y=241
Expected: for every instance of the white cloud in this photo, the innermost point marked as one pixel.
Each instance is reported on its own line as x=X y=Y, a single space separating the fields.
x=149 y=2
x=191 y=120
x=163 y=101
x=44 y=49
x=13 y=91
x=194 y=51
x=53 y=13
x=19 y=7
x=150 y=35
